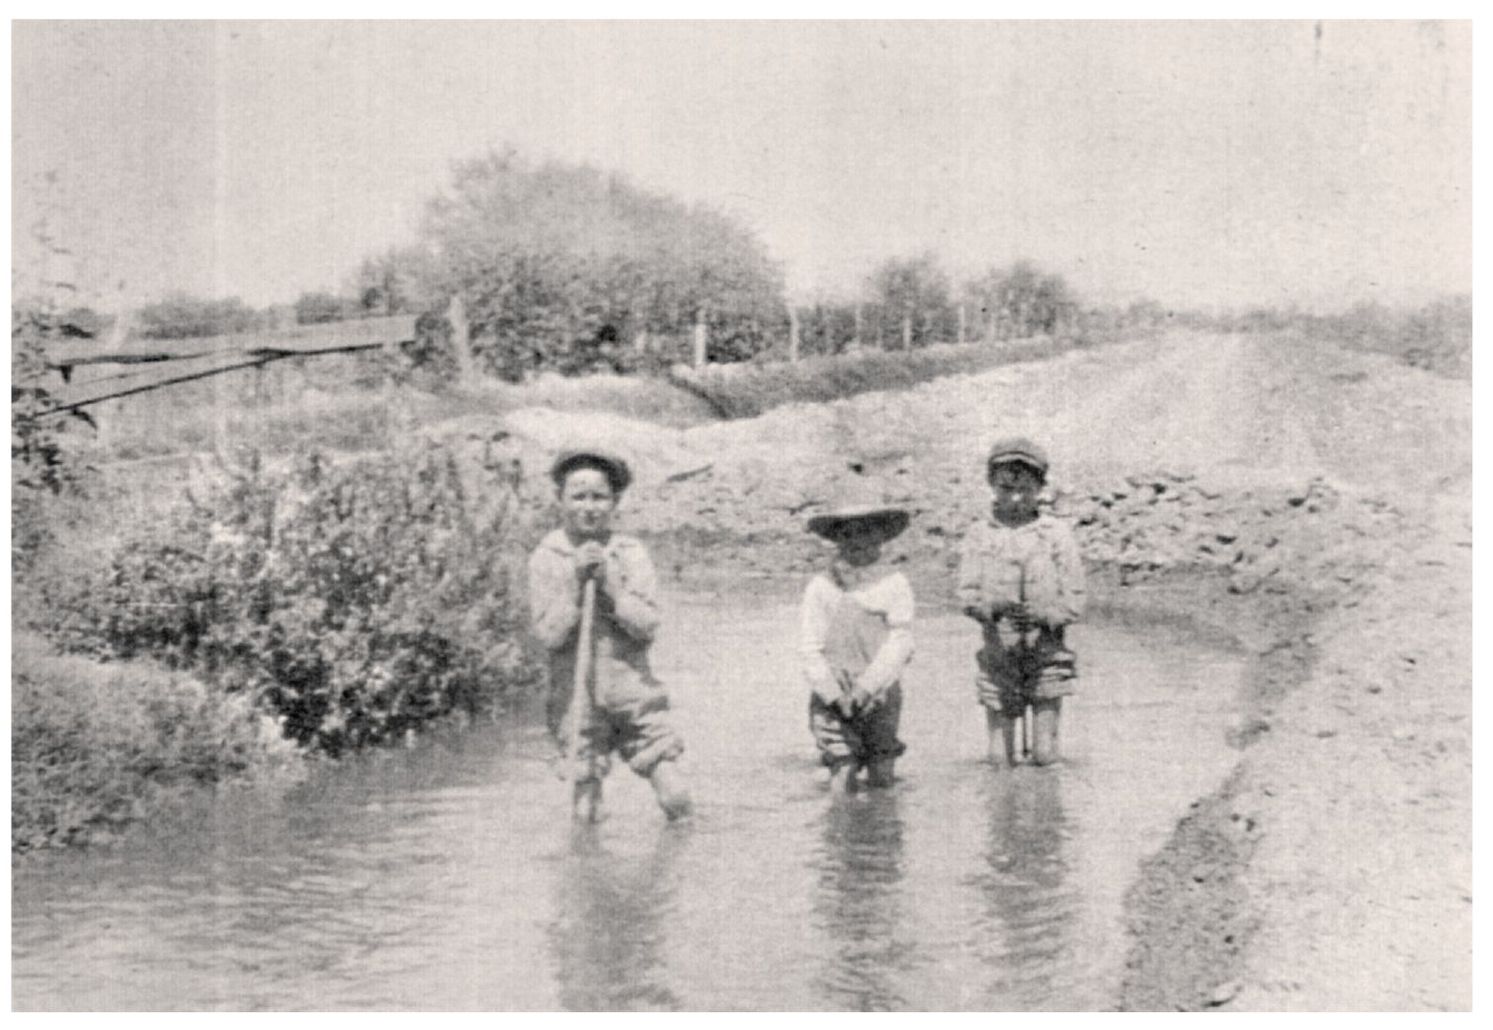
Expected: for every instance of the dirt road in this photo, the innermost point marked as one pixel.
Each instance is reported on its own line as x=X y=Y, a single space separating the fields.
x=1313 y=502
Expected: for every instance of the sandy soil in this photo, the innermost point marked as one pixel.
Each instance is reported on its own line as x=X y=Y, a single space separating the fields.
x=1314 y=503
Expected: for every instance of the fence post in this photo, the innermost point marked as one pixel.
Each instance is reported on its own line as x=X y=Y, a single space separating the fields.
x=113 y=413
x=699 y=341
x=858 y=328
x=792 y=333
x=907 y=331
x=461 y=339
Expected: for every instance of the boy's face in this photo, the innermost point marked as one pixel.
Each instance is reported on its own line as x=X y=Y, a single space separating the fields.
x=859 y=544
x=1016 y=487
x=587 y=503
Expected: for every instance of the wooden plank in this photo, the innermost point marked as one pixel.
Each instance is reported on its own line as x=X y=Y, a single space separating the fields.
x=174 y=375
x=302 y=339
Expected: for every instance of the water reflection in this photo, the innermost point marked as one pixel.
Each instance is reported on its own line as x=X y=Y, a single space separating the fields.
x=860 y=903
x=609 y=933
x=1029 y=905
x=433 y=878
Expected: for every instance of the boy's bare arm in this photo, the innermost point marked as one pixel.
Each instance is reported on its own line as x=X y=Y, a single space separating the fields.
x=813 y=623
x=891 y=658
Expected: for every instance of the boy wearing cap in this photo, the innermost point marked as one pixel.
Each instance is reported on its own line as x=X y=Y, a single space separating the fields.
x=1021 y=578
x=625 y=709
x=855 y=639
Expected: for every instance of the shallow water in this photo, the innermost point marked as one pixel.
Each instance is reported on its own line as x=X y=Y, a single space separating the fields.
x=448 y=877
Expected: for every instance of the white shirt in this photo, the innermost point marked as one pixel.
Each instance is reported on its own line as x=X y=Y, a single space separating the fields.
x=890 y=597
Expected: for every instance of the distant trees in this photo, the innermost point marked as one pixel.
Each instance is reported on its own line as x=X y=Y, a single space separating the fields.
x=828 y=328
x=314 y=308
x=180 y=316
x=909 y=300
x=1020 y=301
x=1436 y=336
x=396 y=282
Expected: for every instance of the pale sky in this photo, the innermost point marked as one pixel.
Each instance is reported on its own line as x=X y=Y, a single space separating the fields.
x=1196 y=163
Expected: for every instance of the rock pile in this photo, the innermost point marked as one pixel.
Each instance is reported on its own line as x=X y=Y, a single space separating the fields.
x=1147 y=523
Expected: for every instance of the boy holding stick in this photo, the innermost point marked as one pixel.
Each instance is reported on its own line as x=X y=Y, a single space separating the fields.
x=593 y=604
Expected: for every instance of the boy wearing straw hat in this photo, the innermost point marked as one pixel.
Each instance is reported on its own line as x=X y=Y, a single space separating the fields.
x=1021 y=578
x=855 y=642
x=603 y=695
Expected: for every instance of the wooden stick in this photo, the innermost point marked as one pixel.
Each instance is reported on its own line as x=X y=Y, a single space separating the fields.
x=582 y=674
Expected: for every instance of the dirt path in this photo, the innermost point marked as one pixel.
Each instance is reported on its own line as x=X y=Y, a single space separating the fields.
x=1313 y=502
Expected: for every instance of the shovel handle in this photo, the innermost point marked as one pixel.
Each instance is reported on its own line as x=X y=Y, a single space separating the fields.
x=583 y=657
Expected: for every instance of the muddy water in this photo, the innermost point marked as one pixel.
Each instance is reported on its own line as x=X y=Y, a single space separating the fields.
x=446 y=876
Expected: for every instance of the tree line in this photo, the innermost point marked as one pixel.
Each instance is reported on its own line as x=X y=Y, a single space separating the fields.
x=569 y=268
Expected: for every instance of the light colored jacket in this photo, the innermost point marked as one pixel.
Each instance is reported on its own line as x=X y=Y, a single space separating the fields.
x=627 y=616
x=1037 y=563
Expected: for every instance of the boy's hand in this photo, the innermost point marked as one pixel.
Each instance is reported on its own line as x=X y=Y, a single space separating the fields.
x=591 y=562
x=857 y=700
x=1018 y=614
x=852 y=697
x=980 y=615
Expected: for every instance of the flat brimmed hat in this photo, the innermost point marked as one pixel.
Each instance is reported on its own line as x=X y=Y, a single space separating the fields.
x=611 y=465
x=859 y=506
x=1016 y=449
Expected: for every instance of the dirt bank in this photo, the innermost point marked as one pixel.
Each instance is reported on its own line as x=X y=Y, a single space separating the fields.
x=1310 y=502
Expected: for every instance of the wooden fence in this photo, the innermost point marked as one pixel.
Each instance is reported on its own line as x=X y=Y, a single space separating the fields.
x=94 y=371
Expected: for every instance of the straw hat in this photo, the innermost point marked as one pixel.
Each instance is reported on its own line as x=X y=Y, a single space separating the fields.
x=860 y=504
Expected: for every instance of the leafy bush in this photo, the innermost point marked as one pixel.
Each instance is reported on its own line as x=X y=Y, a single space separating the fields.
x=40 y=456
x=47 y=469
x=355 y=601
x=318 y=308
x=94 y=745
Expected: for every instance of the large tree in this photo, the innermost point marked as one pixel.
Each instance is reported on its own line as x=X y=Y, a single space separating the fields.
x=557 y=263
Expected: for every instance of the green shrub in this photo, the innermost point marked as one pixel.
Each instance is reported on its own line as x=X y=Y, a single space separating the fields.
x=354 y=601
x=94 y=746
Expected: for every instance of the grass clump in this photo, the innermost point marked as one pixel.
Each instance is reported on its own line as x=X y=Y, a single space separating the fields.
x=748 y=390
x=95 y=746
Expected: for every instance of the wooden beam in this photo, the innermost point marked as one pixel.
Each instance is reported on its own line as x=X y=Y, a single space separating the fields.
x=305 y=339
x=263 y=357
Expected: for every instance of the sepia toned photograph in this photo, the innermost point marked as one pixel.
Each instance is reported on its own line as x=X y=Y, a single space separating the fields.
x=741 y=516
